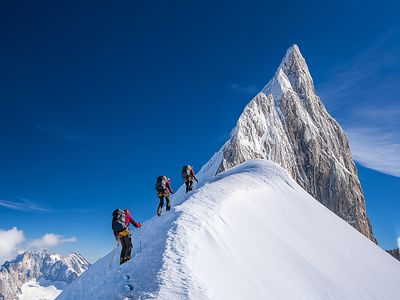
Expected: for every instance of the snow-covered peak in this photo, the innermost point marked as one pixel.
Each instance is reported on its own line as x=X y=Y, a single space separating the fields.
x=76 y=262
x=294 y=64
x=292 y=74
x=40 y=267
x=278 y=86
x=288 y=124
x=27 y=258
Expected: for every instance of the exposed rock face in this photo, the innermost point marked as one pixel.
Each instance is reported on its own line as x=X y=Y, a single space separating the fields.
x=395 y=253
x=42 y=266
x=288 y=124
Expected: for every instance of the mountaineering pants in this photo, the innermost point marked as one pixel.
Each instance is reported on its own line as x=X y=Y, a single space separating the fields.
x=126 y=242
x=160 y=206
x=189 y=183
x=161 y=195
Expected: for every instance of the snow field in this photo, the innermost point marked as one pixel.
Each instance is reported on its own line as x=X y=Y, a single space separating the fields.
x=249 y=233
x=33 y=290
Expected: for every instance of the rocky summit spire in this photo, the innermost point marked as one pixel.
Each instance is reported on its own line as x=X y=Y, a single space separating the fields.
x=288 y=124
x=292 y=75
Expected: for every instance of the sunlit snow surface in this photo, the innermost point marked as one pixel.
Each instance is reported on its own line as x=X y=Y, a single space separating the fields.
x=33 y=290
x=249 y=233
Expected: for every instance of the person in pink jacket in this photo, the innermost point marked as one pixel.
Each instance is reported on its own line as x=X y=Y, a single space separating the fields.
x=120 y=225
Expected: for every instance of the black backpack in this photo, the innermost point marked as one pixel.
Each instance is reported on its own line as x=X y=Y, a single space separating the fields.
x=161 y=183
x=118 y=220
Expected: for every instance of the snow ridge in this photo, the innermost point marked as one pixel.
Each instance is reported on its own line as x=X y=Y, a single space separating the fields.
x=252 y=229
x=249 y=233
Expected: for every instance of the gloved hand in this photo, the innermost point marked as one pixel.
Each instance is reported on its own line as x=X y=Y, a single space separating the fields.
x=196 y=180
x=139 y=225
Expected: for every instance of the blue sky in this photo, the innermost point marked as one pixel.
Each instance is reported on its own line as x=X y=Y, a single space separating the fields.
x=97 y=99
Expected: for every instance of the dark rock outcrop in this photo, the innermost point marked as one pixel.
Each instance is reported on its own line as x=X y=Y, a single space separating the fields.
x=395 y=253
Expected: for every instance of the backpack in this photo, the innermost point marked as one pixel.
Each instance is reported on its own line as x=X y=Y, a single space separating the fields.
x=118 y=221
x=161 y=183
x=186 y=171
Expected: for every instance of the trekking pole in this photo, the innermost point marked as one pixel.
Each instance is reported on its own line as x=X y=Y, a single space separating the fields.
x=140 y=239
x=112 y=255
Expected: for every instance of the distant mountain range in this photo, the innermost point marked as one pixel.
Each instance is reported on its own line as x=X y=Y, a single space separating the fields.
x=42 y=270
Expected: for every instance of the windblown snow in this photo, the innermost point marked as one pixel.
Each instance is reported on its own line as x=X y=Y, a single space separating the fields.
x=249 y=233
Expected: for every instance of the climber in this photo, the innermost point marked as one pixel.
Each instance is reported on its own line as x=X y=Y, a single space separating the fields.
x=163 y=188
x=188 y=176
x=120 y=226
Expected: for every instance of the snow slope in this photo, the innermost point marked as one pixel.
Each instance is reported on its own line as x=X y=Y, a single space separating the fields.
x=34 y=290
x=249 y=233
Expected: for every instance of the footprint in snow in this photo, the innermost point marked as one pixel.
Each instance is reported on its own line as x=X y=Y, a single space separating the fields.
x=129 y=287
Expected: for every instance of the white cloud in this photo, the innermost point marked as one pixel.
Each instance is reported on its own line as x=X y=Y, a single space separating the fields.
x=389 y=113
x=376 y=149
x=24 y=205
x=370 y=77
x=375 y=137
x=10 y=241
x=244 y=89
x=51 y=240
x=364 y=96
x=60 y=133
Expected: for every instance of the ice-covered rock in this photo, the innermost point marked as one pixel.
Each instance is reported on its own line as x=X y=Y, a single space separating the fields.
x=287 y=123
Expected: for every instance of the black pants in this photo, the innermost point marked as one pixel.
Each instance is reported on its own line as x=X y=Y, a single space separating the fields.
x=189 y=185
x=126 y=242
x=160 y=206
